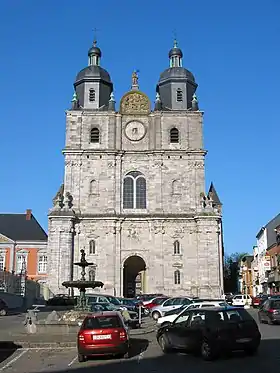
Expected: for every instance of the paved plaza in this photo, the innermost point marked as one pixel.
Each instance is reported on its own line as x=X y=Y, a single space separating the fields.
x=145 y=356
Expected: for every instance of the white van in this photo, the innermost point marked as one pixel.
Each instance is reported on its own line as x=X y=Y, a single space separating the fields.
x=241 y=300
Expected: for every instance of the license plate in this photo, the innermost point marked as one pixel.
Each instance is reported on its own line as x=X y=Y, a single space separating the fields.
x=99 y=337
x=243 y=340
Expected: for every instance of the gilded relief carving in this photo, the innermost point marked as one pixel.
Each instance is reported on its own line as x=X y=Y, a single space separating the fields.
x=135 y=103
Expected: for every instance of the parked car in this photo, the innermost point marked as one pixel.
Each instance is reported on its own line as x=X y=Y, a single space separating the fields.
x=3 y=308
x=102 y=334
x=241 y=300
x=228 y=297
x=258 y=300
x=211 y=332
x=61 y=300
x=146 y=298
x=133 y=305
x=103 y=298
x=168 y=305
x=270 y=311
x=155 y=302
x=170 y=316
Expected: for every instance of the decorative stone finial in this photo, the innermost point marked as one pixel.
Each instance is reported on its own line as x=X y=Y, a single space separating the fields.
x=75 y=103
x=135 y=77
x=112 y=102
x=194 y=103
x=158 y=105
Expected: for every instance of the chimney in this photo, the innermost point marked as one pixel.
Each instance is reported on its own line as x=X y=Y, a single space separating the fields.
x=28 y=214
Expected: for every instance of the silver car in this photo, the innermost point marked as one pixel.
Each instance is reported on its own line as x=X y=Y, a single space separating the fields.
x=168 y=305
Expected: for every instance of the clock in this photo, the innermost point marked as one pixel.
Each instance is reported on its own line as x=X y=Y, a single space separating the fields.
x=135 y=130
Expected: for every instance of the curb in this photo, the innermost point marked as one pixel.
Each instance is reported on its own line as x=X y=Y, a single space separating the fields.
x=54 y=345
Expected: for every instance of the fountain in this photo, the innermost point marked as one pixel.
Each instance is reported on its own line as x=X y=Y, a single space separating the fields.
x=82 y=284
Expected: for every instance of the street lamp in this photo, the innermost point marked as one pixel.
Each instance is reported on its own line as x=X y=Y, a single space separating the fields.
x=244 y=269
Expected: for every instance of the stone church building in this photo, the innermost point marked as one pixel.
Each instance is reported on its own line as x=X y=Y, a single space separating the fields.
x=133 y=195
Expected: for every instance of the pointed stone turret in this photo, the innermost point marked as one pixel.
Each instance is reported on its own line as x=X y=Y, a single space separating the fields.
x=213 y=195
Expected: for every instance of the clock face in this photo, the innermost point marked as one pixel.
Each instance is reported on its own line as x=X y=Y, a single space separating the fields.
x=135 y=130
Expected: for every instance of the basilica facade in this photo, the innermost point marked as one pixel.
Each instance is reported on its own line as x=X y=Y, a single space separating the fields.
x=134 y=194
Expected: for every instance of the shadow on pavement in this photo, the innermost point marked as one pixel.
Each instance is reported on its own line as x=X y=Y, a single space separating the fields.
x=267 y=360
x=7 y=348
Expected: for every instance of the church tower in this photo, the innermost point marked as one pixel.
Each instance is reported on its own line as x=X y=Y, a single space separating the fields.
x=134 y=189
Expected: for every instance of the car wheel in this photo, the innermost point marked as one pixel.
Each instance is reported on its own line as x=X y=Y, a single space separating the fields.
x=81 y=358
x=207 y=351
x=3 y=312
x=156 y=315
x=165 y=323
x=146 y=311
x=164 y=344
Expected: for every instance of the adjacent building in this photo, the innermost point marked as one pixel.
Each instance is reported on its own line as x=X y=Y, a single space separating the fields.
x=133 y=195
x=23 y=246
x=266 y=274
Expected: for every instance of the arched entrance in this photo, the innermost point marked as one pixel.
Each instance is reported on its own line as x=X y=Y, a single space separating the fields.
x=134 y=270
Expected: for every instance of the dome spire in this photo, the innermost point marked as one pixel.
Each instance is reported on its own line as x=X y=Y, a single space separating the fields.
x=94 y=54
x=175 y=55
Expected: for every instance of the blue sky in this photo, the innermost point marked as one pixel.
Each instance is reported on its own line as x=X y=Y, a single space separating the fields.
x=232 y=47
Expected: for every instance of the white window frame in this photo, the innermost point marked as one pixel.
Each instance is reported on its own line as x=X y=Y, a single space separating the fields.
x=134 y=179
x=42 y=255
x=23 y=254
x=3 y=255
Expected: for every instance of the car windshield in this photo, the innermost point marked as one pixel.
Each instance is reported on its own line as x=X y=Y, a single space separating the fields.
x=275 y=304
x=113 y=300
x=102 y=322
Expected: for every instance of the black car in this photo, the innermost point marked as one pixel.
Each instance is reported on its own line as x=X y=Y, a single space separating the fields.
x=128 y=303
x=269 y=311
x=211 y=332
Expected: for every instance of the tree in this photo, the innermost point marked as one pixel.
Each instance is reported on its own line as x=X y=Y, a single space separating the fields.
x=231 y=269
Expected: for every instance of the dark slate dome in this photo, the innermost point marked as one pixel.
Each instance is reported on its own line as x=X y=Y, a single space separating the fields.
x=175 y=52
x=93 y=72
x=176 y=73
x=95 y=50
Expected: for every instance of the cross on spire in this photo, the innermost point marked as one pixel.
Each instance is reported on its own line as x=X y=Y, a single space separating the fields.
x=95 y=36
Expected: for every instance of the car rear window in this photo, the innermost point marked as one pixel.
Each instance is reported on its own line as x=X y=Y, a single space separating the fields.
x=102 y=322
x=275 y=304
x=238 y=315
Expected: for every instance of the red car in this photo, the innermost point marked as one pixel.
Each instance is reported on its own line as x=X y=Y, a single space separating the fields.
x=155 y=302
x=102 y=334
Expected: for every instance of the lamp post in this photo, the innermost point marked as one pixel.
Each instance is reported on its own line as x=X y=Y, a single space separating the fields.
x=23 y=277
x=244 y=271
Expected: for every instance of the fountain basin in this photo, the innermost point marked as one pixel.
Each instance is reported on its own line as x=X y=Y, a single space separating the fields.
x=82 y=284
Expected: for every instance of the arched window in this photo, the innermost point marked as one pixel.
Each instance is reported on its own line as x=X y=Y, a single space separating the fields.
x=174 y=135
x=134 y=191
x=177 y=277
x=91 y=95
x=94 y=135
x=176 y=246
x=176 y=187
x=93 y=187
x=91 y=274
x=92 y=248
x=179 y=95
